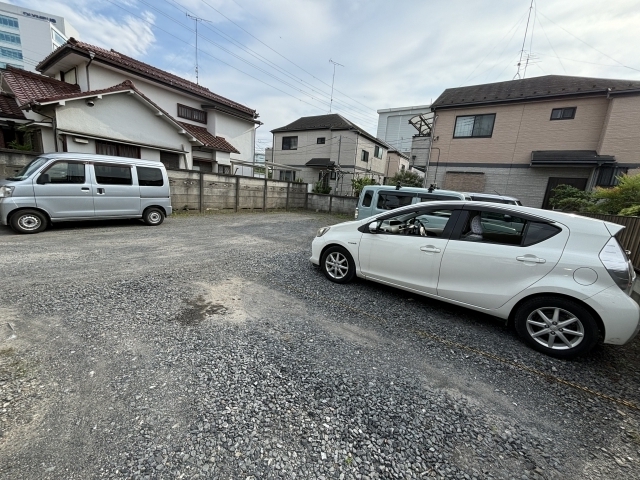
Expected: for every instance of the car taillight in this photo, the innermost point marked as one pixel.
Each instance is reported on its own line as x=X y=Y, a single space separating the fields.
x=618 y=265
x=356 y=213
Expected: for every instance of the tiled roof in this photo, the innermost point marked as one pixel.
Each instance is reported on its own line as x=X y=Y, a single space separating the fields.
x=332 y=121
x=144 y=69
x=203 y=135
x=531 y=88
x=9 y=107
x=124 y=86
x=27 y=86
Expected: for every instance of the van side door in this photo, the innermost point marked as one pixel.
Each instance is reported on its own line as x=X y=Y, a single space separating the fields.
x=115 y=190
x=63 y=190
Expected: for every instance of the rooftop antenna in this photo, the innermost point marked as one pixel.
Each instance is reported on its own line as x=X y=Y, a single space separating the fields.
x=333 y=80
x=524 y=40
x=196 y=20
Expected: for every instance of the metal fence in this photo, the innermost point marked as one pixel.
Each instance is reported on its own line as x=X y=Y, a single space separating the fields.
x=629 y=238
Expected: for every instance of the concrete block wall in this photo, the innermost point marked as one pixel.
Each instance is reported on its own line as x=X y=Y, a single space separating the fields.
x=12 y=161
x=331 y=203
x=185 y=189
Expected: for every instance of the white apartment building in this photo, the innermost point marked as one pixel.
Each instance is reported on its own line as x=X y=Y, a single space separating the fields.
x=27 y=36
x=394 y=127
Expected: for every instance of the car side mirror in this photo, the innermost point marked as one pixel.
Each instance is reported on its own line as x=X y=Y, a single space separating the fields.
x=43 y=179
x=373 y=227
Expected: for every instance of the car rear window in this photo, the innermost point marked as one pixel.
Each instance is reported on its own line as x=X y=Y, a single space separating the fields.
x=389 y=201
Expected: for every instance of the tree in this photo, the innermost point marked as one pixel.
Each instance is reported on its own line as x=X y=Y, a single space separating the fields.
x=571 y=199
x=359 y=183
x=621 y=197
x=320 y=187
x=406 y=179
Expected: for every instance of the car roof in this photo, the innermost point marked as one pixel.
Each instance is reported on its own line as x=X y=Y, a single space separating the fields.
x=92 y=157
x=491 y=195
x=410 y=189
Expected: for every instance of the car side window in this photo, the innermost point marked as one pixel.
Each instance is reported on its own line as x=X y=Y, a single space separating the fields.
x=366 y=201
x=390 y=200
x=149 y=177
x=423 y=223
x=65 y=172
x=107 y=174
x=537 y=232
x=493 y=227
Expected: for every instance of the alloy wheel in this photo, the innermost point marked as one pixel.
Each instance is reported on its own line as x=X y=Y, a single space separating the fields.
x=555 y=328
x=337 y=265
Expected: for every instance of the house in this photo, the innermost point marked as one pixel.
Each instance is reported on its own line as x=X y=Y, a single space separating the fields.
x=88 y=99
x=524 y=137
x=396 y=162
x=394 y=125
x=328 y=149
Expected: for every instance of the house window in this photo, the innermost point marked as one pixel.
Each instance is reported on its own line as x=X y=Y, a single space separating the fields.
x=320 y=140
x=10 y=37
x=563 y=113
x=205 y=167
x=224 y=169
x=479 y=126
x=402 y=168
x=287 y=175
x=364 y=156
x=289 y=143
x=8 y=21
x=377 y=152
x=192 y=114
x=333 y=175
x=170 y=160
x=117 y=149
x=11 y=53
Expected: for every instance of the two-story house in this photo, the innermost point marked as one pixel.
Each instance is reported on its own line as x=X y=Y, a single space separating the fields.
x=328 y=149
x=525 y=137
x=91 y=100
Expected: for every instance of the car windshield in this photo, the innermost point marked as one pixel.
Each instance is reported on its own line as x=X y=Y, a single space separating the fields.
x=28 y=170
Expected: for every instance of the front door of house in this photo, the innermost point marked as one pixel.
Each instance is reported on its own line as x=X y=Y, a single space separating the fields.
x=579 y=183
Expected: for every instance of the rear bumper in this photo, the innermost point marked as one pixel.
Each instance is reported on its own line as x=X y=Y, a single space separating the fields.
x=619 y=313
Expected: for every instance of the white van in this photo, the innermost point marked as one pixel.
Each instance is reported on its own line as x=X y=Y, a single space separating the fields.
x=375 y=199
x=59 y=187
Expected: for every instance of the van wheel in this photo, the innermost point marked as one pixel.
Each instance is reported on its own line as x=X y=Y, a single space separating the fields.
x=28 y=221
x=557 y=326
x=153 y=216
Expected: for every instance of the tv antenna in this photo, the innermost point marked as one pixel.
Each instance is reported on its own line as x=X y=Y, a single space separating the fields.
x=333 y=80
x=196 y=20
x=524 y=40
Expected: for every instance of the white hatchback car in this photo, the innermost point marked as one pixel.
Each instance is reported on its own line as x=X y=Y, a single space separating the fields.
x=562 y=279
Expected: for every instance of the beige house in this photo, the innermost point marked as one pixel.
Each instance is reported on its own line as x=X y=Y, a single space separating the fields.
x=524 y=137
x=396 y=162
x=328 y=149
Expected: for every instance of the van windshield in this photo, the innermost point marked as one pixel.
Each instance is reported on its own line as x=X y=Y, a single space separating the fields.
x=28 y=170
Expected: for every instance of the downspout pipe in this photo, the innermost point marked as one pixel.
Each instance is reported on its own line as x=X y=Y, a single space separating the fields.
x=91 y=57
x=54 y=125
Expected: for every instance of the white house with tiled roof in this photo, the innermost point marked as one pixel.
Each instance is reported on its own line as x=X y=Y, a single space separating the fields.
x=93 y=100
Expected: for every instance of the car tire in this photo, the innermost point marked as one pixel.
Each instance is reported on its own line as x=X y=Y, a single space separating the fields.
x=29 y=221
x=337 y=265
x=153 y=216
x=556 y=326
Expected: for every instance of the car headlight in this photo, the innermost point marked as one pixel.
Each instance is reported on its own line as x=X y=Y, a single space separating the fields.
x=6 y=191
x=322 y=231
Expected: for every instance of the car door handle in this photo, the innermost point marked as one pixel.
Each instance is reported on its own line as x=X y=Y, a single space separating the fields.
x=85 y=189
x=430 y=249
x=100 y=191
x=531 y=259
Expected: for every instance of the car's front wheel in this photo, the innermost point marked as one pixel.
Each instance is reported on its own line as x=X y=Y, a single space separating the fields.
x=28 y=221
x=337 y=264
x=557 y=326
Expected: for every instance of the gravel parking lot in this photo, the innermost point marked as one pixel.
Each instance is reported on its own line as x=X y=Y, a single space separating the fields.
x=209 y=347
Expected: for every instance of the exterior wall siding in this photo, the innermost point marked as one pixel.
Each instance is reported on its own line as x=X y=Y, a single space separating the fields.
x=622 y=135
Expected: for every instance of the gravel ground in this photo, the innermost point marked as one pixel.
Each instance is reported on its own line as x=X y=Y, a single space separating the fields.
x=209 y=347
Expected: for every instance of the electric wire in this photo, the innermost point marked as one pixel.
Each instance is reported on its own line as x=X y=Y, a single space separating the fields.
x=549 y=41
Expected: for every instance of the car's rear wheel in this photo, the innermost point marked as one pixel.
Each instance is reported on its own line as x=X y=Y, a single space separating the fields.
x=28 y=221
x=337 y=264
x=557 y=326
x=153 y=216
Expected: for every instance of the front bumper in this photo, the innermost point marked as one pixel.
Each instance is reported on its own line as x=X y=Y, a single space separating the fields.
x=316 y=250
x=619 y=313
x=7 y=205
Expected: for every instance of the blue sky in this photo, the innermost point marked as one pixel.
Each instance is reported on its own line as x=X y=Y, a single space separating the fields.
x=273 y=55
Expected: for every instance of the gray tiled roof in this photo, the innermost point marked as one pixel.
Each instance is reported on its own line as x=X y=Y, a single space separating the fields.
x=531 y=88
x=331 y=121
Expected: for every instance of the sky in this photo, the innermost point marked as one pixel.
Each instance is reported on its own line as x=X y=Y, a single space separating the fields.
x=274 y=55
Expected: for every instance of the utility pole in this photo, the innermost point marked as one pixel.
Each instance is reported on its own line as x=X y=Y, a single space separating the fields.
x=333 y=80
x=196 y=20
x=339 y=148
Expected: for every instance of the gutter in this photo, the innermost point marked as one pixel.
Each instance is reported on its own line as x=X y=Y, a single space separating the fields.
x=91 y=57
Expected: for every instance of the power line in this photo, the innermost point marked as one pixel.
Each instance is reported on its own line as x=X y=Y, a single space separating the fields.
x=554 y=50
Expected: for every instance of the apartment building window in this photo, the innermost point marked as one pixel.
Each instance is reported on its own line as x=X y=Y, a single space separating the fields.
x=377 y=152
x=289 y=143
x=194 y=114
x=474 y=126
x=320 y=140
x=364 y=156
x=288 y=175
x=568 y=113
x=8 y=21
x=57 y=38
x=11 y=53
x=5 y=65
x=10 y=37
x=117 y=149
